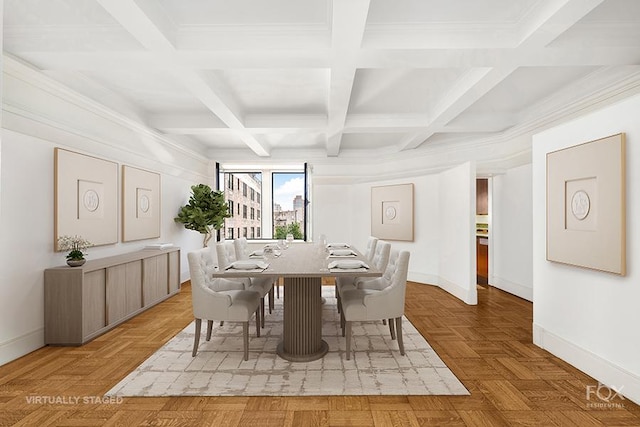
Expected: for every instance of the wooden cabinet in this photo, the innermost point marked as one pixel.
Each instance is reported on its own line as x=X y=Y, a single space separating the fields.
x=82 y=303
x=482 y=196
x=482 y=260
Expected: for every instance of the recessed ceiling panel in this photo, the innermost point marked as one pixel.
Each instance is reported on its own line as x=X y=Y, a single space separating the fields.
x=260 y=91
x=153 y=90
x=222 y=140
x=450 y=11
x=411 y=91
x=525 y=87
x=294 y=140
x=62 y=25
x=370 y=141
x=612 y=23
x=247 y=12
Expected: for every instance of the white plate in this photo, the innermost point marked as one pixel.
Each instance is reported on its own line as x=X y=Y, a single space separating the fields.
x=348 y=264
x=341 y=252
x=247 y=265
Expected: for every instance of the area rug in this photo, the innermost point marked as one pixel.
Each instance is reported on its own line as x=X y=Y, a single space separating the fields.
x=376 y=366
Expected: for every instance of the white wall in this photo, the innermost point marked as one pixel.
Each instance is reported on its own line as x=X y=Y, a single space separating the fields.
x=332 y=212
x=586 y=317
x=443 y=250
x=26 y=193
x=456 y=232
x=511 y=237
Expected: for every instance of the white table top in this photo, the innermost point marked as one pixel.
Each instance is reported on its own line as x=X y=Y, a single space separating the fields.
x=303 y=260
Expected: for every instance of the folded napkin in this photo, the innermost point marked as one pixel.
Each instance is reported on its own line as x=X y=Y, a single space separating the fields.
x=338 y=246
x=341 y=252
x=247 y=265
x=257 y=254
x=349 y=264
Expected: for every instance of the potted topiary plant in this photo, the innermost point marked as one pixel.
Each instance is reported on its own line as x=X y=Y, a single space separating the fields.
x=205 y=211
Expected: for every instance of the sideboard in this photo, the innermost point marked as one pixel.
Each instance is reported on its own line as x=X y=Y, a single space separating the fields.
x=81 y=303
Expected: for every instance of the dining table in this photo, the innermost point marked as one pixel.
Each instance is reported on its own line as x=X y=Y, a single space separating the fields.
x=303 y=265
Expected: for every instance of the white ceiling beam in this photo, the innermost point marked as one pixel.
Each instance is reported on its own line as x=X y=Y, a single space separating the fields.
x=543 y=27
x=552 y=19
x=140 y=24
x=469 y=88
x=148 y=32
x=348 y=24
x=367 y=58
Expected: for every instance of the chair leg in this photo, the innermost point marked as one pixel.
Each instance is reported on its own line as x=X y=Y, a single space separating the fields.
x=277 y=286
x=245 y=336
x=392 y=329
x=262 y=311
x=348 y=328
x=258 y=322
x=271 y=301
x=339 y=302
x=209 y=329
x=222 y=323
x=399 y=333
x=196 y=339
x=342 y=322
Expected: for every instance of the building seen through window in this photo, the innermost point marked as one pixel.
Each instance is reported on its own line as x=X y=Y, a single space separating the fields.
x=264 y=204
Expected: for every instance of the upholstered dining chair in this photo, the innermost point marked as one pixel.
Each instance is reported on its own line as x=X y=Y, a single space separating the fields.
x=379 y=259
x=361 y=305
x=214 y=299
x=226 y=256
x=368 y=253
x=242 y=251
x=371 y=247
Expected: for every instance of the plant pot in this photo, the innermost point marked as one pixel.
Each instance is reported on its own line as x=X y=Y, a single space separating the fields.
x=75 y=262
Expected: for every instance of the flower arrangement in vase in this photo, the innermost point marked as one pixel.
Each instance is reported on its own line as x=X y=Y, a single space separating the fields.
x=75 y=246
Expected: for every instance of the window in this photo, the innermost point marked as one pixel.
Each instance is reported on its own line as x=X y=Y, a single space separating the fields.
x=272 y=199
x=289 y=208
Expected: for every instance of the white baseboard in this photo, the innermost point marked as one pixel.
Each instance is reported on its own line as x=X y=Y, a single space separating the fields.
x=452 y=288
x=607 y=373
x=17 y=347
x=428 y=279
x=466 y=295
x=511 y=287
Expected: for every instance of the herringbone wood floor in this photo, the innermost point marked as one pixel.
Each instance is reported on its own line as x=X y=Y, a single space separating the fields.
x=488 y=347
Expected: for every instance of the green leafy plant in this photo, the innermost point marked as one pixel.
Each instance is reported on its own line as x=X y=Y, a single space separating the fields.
x=293 y=228
x=205 y=212
x=74 y=245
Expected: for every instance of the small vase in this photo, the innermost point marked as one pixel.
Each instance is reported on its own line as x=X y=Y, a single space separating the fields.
x=75 y=262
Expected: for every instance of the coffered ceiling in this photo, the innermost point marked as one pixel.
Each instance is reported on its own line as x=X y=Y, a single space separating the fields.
x=342 y=79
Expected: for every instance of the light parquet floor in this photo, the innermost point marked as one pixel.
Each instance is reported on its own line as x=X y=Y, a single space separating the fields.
x=488 y=347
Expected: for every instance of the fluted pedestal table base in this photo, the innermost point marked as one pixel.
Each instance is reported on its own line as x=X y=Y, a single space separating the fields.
x=302 y=341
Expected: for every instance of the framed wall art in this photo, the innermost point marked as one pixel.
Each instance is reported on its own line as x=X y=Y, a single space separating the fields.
x=85 y=197
x=586 y=214
x=140 y=204
x=392 y=212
